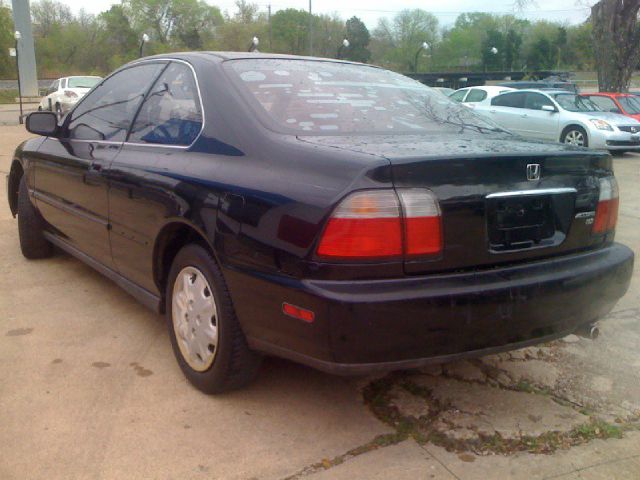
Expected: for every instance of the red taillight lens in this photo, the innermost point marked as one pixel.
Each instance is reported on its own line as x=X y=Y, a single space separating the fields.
x=422 y=222
x=370 y=224
x=365 y=225
x=608 y=204
x=298 y=312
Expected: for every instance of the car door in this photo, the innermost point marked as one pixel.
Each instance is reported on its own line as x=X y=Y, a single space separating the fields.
x=536 y=122
x=506 y=111
x=70 y=188
x=147 y=177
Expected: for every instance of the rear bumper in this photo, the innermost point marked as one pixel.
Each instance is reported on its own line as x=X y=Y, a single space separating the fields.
x=365 y=326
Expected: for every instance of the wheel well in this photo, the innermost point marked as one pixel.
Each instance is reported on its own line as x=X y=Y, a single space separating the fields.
x=15 y=175
x=569 y=127
x=168 y=243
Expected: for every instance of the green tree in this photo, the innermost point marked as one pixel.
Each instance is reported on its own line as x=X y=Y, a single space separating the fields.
x=359 y=38
x=397 y=41
x=7 y=63
x=290 y=31
x=512 y=44
x=493 y=51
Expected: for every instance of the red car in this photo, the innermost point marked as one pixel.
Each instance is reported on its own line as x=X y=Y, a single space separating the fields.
x=623 y=103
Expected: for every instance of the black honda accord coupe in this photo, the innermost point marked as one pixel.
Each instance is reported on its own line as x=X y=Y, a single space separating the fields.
x=335 y=214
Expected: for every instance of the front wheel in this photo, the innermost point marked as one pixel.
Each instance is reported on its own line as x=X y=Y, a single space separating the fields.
x=206 y=337
x=31 y=227
x=575 y=136
x=58 y=111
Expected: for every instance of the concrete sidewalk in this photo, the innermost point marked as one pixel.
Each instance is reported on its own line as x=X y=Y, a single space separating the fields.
x=89 y=388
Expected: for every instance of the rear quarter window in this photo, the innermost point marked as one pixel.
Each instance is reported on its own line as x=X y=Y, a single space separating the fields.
x=513 y=100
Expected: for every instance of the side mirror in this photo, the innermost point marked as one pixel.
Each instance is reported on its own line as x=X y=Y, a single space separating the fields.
x=549 y=108
x=42 y=123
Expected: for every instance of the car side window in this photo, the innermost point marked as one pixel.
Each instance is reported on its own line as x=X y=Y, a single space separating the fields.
x=170 y=115
x=107 y=113
x=605 y=103
x=513 y=100
x=476 y=95
x=458 y=96
x=535 y=101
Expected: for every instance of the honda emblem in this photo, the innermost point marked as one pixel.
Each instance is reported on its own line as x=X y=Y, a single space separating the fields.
x=533 y=172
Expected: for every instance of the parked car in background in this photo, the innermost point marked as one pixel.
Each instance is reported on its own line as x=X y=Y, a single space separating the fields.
x=542 y=85
x=65 y=92
x=623 y=103
x=470 y=96
x=335 y=214
x=558 y=115
x=444 y=90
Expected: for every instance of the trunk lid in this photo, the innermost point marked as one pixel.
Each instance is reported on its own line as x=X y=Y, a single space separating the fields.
x=495 y=209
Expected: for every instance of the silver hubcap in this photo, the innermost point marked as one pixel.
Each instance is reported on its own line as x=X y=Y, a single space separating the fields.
x=574 y=137
x=195 y=318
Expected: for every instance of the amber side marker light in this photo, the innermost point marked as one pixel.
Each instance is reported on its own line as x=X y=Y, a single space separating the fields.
x=298 y=312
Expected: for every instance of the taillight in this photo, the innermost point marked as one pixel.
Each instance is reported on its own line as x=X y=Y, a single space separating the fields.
x=608 y=203
x=383 y=224
x=366 y=224
x=70 y=94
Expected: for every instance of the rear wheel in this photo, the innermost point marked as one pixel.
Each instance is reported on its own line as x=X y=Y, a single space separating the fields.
x=31 y=227
x=575 y=136
x=58 y=111
x=206 y=337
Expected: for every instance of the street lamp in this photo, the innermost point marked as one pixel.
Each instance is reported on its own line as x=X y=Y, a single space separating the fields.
x=345 y=44
x=424 y=46
x=17 y=35
x=255 y=41
x=145 y=39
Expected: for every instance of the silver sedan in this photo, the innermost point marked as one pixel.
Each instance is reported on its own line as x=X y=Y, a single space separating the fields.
x=558 y=115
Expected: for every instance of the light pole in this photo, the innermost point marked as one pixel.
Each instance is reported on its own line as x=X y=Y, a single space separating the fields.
x=255 y=41
x=494 y=51
x=145 y=39
x=17 y=35
x=424 y=46
x=345 y=44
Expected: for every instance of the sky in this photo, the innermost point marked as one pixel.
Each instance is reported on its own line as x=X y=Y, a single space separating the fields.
x=570 y=11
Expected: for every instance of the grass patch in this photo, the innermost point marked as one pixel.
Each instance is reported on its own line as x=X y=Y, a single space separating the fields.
x=8 y=96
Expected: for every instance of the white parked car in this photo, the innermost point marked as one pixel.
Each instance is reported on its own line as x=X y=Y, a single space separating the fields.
x=559 y=115
x=470 y=96
x=65 y=92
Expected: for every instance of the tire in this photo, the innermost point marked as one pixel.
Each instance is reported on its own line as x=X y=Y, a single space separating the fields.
x=230 y=364
x=31 y=227
x=58 y=111
x=575 y=135
x=39 y=108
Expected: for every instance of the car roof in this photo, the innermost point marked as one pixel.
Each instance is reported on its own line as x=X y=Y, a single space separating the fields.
x=224 y=56
x=608 y=94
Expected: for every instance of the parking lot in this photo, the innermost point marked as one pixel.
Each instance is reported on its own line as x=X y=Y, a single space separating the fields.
x=89 y=388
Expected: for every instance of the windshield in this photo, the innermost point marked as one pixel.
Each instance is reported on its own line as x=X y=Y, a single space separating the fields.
x=82 y=82
x=317 y=98
x=575 y=103
x=630 y=105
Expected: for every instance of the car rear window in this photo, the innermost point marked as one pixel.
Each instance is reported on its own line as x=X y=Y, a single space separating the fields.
x=82 y=82
x=331 y=98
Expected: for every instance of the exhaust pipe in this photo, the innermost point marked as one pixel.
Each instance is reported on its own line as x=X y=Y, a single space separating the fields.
x=590 y=330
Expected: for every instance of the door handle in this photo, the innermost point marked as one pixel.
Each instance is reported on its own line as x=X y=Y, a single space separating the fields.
x=492 y=111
